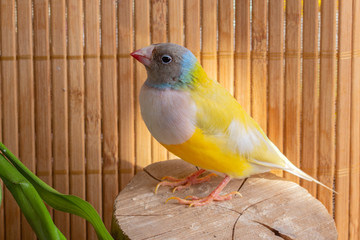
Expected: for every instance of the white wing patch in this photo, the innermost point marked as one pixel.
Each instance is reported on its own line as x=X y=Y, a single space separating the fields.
x=243 y=138
x=168 y=114
x=244 y=141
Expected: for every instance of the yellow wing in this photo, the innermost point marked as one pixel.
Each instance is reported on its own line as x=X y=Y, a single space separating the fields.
x=219 y=114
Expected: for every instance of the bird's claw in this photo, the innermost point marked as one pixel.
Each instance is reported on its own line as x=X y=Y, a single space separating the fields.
x=183 y=182
x=193 y=201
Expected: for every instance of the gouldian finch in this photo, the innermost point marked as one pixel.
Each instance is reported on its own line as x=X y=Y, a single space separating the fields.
x=195 y=118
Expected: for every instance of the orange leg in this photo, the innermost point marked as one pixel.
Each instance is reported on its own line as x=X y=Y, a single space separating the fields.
x=184 y=182
x=213 y=196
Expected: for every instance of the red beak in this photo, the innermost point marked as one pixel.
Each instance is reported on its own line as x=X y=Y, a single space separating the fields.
x=143 y=55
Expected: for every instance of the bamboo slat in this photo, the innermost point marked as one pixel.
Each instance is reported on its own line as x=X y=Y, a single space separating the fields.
x=92 y=109
x=158 y=35
x=327 y=102
x=142 y=39
x=42 y=91
x=109 y=108
x=2 y=210
x=310 y=105
x=26 y=97
x=9 y=108
x=192 y=27
x=158 y=21
x=354 y=206
x=343 y=119
x=60 y=108
x=126 y=92
x=258 y=62
x=292 y=84
x=276 y=75
x=226 y=45
x=76 y=111
x=209 y=38
x=176 y=29
x=242 y=63
x=176 y=21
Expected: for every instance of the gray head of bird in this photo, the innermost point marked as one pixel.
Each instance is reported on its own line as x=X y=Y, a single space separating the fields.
x=168 y=65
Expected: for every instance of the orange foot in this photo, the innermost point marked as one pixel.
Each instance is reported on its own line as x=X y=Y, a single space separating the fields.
x=213 y=196
x=184 y=182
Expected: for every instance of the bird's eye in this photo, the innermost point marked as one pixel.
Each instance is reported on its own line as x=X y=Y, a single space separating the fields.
x=166 y=59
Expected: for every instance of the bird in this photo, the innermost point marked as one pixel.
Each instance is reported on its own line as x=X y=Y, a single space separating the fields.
x=198 y=120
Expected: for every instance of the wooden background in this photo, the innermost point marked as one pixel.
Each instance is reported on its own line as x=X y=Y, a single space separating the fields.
x=69 y=91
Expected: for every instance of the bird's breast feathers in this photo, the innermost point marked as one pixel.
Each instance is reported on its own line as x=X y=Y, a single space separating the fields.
x=168 y=114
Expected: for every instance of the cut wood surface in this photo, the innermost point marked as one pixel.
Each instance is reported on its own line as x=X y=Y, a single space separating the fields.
x=271 y=208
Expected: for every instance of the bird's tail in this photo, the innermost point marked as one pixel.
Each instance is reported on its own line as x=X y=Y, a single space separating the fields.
x=291 y=168
x=288 y=167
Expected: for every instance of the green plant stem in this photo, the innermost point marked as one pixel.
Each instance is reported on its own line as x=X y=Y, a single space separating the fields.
x=0 y=195
x=29 y=201
x=62 y=202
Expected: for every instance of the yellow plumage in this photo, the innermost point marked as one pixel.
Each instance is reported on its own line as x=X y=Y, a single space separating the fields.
x=210 y=147
x=210 y=153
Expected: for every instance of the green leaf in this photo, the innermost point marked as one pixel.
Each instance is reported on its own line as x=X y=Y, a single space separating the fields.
x=62 y=202
x=0 y=195
x=29 y=201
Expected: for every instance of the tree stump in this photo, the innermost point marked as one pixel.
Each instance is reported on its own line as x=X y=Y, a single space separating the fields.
x=271 y=208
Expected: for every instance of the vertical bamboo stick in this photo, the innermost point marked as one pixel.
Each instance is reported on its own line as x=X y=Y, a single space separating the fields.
x=176 y=29
x=92 y=109
x=142 y=39
x=158 y=21
x=209 y=38
x=310 y=93
x=2 y=210
x=76 y=111
x=292 y=84
x=258 y=62
x=9 y=108
x=192 y=27
x=126 y=92
x=354 y=221
x=42 y=90
x=26 y=97
x=242 y=62
x=327 y=102
x=60 y=109
x=226 y=45
x=158 y=34
x=343 y=120
x=276 y=74
x=176 y=21
x=109 y=108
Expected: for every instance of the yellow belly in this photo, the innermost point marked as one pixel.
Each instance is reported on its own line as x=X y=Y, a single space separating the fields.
x=212 y=153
